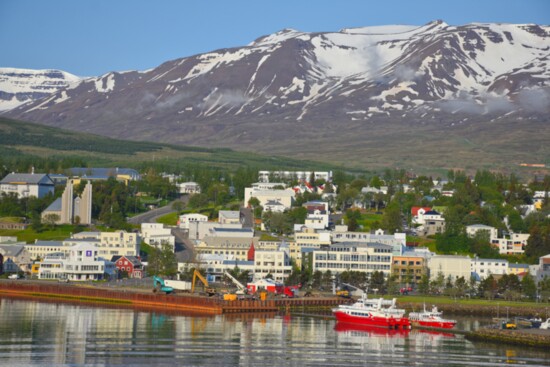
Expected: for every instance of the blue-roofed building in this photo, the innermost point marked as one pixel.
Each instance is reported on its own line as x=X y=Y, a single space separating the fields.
x=91 y=174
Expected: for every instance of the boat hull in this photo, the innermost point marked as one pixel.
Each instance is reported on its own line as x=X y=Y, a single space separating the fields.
x=376 y=321
x=434 y=324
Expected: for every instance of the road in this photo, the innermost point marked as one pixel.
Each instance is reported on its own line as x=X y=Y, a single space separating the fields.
x=152 y=215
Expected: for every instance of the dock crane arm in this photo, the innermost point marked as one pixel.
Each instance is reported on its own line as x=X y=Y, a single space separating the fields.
x=240 y=286
x=197 y=274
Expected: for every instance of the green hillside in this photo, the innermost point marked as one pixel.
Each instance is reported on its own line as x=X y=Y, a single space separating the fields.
x=28 y=142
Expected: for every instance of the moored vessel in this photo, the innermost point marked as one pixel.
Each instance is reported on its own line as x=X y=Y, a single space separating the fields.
x=373 y=312
x=431 y=319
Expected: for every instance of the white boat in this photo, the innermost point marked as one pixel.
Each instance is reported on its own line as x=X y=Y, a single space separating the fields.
x=432 y=319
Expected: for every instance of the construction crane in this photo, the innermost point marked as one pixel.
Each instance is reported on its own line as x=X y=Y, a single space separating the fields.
x=347 y=290
x=241 y=288
x=207 y=289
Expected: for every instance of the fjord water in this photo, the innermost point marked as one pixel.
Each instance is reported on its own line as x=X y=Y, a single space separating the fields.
x=34 y=333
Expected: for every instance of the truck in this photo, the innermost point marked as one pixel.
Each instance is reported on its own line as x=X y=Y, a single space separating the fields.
x=170 y=286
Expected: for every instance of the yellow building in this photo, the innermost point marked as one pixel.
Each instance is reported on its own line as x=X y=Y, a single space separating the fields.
x=307 y=238
x=409 y=269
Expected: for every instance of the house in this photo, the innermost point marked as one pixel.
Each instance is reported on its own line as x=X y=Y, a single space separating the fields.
x=473 y=229
x=15 y=259
x=186 y=220
x=417 y=213
x=518 y=269
x=231 y=247
x=188 y=188
x=397 y=241
x=25 y=185
x=431 y=227
x=52 y=266
x=131 y=265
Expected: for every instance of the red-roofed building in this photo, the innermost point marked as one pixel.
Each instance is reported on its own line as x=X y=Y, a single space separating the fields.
x=415 y=209
x=129 y=264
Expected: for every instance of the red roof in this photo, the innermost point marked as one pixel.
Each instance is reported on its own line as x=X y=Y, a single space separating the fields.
x=415 y=209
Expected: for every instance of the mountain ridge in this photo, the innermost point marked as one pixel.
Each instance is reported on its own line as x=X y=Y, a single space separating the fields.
x=304 y=90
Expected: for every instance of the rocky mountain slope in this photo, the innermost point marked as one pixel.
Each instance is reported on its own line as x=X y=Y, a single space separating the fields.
x=302 y=89
x=19 y=86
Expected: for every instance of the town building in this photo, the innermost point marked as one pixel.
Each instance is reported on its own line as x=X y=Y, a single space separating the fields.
x=397 y=241
x=473 y=229
x=450 y=266
x=131 y=265
x=186 y=220
x=518 y=269
x=232 y=247
x=285 y=197
x=68 y=210
x=229 y=217
x=353 y=256
x=482 y=268
x=264 y=176
x=83 y=263
x=409 y=269
x=154 y=234
x=188 y=188
x=308 y=239
x=274 y=262
x=25 y=185
x=40 y=249
x=94 y=174
x=513 y=244
x=14 y=258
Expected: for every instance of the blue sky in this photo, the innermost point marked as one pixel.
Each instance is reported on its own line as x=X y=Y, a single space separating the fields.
x=87 y=38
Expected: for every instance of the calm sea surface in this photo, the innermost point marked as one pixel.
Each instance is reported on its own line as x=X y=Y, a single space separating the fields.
x=47 y=334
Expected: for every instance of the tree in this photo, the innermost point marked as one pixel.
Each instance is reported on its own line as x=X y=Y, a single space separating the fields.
x=424 y=284
x=51 y=219
x=528 y=286
x=177 y=205
x=377 y=282
x=352 y=218
x=391 y=221
x=162 y=261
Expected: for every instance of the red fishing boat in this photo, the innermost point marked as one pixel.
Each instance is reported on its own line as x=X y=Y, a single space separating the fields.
x=373 y=312
x=431 y=319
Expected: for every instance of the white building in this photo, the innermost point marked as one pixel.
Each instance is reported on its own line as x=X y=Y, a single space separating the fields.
x=154 y=234
x=231 y=247
x=353 y=256
x=229 y=217
x=199 y=229
x=25 y=185
x=268 y=185
x=83 y=263
x=510 y=245
x=274 y=206
x=52 y=266
x=424 y=215
x=285 y=197
x=397 y=241
x=473 y=229
x=374 y=190
x=277 y=263
x=40 y=249
x=186 y=220
x=482 y=268
x=450 y=266
x=263 y=176
x=188 y=188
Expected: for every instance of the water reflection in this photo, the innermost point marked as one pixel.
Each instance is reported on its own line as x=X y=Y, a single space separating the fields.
x=47 y=334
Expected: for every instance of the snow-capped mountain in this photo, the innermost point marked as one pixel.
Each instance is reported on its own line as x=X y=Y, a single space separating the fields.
x=19 y=86
x=434 y=72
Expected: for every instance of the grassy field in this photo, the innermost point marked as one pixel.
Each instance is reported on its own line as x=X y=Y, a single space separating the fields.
x=170 y=219
x=429 y=300
x=29 y=235
x=368 y=219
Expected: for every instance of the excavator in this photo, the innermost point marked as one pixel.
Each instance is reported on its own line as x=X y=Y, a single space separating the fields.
x=207 y=289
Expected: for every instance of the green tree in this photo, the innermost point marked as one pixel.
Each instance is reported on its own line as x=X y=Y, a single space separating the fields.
x=377 y=282
x=162 y=261
x=352 y=218
x=392 y=221
x=528 y=286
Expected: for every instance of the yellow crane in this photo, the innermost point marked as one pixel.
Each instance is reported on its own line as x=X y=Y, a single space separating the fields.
x=207 y=289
